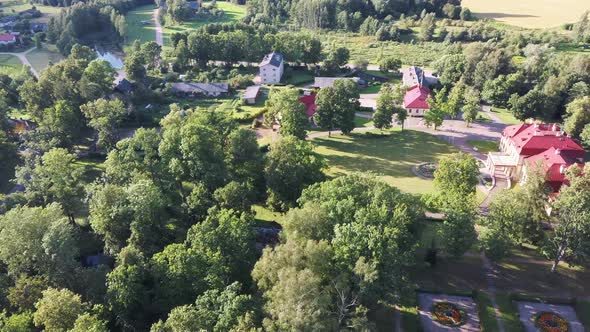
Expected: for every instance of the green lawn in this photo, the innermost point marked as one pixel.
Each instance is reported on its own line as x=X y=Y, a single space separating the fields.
x=136 y=30
x=487 y=313
x=508 y=313
x=41 y=58
x=264 y=214
x=391 y=156
x=375 y=88
x=9 y=64
x=360 y=121
x=232 y=13
x=299 y=77
x=484 y=146
x=505 y=116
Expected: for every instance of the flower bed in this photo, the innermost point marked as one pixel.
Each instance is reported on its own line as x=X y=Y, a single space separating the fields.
x=551 y=322
x=448 y=314
x=427 y=169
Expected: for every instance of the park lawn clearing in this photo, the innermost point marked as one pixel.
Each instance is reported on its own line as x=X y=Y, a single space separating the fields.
x=46 y=11
x=138 y=27
x=529 y=13
x=231 y=13
x=361 y=121
x=505 y=116
x=484 y=146
x=390 y=156
x=41 y=58
x=299 y=77
x=10 y=64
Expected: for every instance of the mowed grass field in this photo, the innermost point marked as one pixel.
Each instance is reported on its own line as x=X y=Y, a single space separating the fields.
x=530 y=13
x=136 y=29
x=9 y=64
x=41 y=58
x=391 y=157
x=231 y=13
x=9 y=7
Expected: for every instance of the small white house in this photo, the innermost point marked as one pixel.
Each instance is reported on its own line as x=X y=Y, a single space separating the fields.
x=271 y=68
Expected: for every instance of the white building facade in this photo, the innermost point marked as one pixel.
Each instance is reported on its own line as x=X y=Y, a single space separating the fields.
x=271 y=68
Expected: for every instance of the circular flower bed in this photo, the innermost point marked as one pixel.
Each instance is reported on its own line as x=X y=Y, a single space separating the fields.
x=551 y=322
x=448 y=314
x=427 y=169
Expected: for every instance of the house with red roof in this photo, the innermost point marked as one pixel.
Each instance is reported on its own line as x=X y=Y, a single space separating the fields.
x=530 y=146
x=310 y=106
x=7 y=39
x=415 y=100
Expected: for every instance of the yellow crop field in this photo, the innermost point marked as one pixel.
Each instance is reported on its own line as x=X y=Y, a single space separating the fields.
x=529 y=13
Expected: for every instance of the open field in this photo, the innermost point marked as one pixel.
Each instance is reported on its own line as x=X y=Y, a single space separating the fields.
x=529 y=13
x=391 y=156
x=367 y=47
x=136 y=30
x=9 y=64
x=40 y=59
x=231 y=13
x=505 y=116
x=9 y=7
x=484 y=146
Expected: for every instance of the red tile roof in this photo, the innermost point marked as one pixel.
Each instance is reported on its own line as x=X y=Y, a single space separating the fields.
x=554 y=162
x=7 y=37
x=310 y=106
x=532 y=139
x=416 y=96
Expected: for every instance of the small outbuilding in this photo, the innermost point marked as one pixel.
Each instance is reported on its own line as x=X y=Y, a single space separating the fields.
x=200 y=89
x=251 y=94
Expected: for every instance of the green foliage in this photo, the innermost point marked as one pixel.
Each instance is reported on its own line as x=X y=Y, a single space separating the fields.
x=214 y=310
x=385 y=108
x=427 y=27
x=585 y=135
x=494 y=243
x=578 y=116
x=89 y=323
x=348 y=246
x=337 y=105
x=571 y=237
x=21 y=322
x=26 y=292
x=435 y=115
x=8 y=160
x=104 y=116
x=291 y=165
x=284 y=106
x=389 y=64
x=236 y=196
x=457 y=173
x=58 y=310
x=471 y=107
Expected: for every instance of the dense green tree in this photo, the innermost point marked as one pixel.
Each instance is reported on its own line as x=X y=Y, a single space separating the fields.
x=457 y=231
x=471 y=107
x=457 y=173
x=58 y=310
x=435 y=115
x=26 y=292
x=450 y=68
x=243 y=158
x=585 y=135
x=530 y=105
x=455 y=100
x=8 y=160
x=151 y=53
x=100 y=76
x=104 y=116
x=284 y=106
x=350 y=245
x=571 y=236
x=578 y=116
x=291 y=165
x=427 y=27
x=62 y=122
x=385 y=108
x=337 y=105
x=53 y=177
x=390 y=64
x=134 y=66
x=127 y=290
x=89 y=323
x=236 y=196
x=214 y=310
x=38 y=241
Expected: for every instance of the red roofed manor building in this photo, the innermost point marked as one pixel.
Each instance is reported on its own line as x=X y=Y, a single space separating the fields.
x=415 y=100
x=527 y=146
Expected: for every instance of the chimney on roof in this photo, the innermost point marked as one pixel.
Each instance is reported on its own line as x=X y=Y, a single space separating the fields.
x=555 y=127
x=536 y=125
x=562 y=169
x=557 y=151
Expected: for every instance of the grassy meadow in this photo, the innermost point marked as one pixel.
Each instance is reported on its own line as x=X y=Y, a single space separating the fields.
x=9 y=64
x=231 y=13
x=41 y=58
x=529 y=13
x=136 y=29
x=391 y=156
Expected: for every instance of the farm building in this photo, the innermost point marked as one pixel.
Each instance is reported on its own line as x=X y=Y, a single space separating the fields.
x=415 y=100
x=324 y=82
x=271 y=68
x=200 y=89
x=251 y=94
x=310 y=106
x=413 y=76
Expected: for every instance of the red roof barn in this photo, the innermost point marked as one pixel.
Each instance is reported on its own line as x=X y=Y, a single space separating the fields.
x=415 y=100
x=310 y=106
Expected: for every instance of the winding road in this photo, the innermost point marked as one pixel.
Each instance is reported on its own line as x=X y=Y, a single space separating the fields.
x=159 y=35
